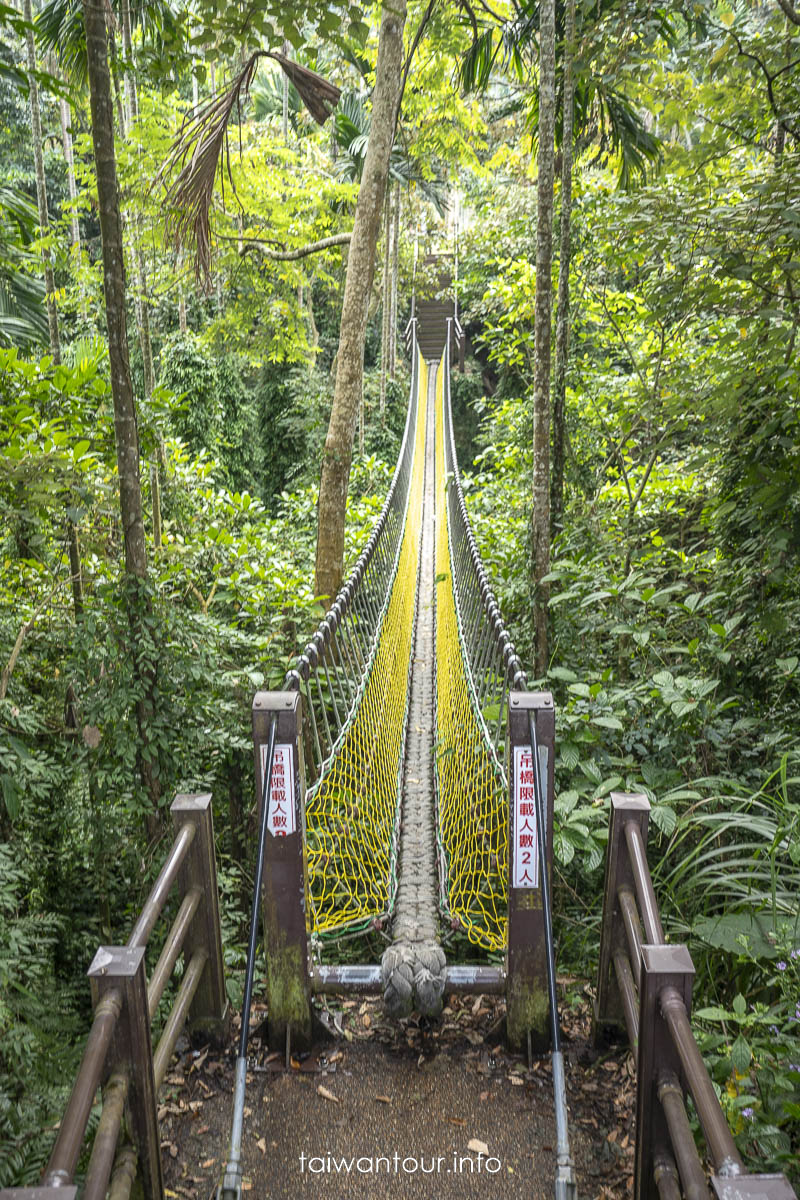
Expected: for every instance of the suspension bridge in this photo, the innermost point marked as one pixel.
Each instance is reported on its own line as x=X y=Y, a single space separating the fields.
x=404 y=780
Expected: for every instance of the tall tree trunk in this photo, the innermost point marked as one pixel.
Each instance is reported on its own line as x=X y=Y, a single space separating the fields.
x=112 y=47
x=565 y=254
x=182 y=324
x=125 y=430
x=395 y=274
x=155 y=497
x=285 y=99
x=386 y=303
x=338 y=451
x=144 y=324
x=73 y=549
x=140 y=293
x=75 y=567
x=309 y=294
x=540 y=517
x=66 y=140
x=41 y=185
x=131 y=98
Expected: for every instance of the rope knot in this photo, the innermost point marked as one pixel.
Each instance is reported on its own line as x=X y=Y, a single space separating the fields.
x=413 y=976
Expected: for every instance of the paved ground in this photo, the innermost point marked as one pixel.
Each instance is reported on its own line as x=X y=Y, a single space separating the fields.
x=408 y=1103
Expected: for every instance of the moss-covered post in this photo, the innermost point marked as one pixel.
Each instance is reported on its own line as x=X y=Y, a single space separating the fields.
x=526 y=988
x=284 y=890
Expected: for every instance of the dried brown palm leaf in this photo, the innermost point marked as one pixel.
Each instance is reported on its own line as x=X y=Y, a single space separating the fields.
x=197 y=152
x=319 y=96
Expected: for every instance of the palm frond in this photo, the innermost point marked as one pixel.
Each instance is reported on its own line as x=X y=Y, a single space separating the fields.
x=22 y=314
x=59 y=30
x=197 y=152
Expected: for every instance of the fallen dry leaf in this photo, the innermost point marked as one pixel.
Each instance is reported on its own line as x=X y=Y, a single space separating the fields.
x=262 y=1145
x=478 y=1147
x=326 y=1095
x=208 y=1163
x=198 y=1062
x=384 y=1099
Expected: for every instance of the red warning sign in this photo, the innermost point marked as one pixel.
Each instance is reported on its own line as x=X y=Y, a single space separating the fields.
x=526 y=844
x=281 y=816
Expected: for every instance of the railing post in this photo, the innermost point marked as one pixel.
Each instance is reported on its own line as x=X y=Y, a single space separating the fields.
x=131 y=1051
x=526 y=994
x=662 y=966
x=209 y=1014
x=753 y=1187
x=608 y=1010
x=39 y=1193
x=284 y=886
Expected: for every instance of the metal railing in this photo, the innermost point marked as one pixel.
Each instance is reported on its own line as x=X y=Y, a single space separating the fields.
x=119 y=1056
x=646 y=985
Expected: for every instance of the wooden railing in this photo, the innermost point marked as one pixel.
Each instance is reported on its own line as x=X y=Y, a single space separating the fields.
x=645 y=986
x=119 y=1056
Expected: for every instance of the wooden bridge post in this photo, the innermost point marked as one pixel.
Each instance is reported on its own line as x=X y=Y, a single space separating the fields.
x=209 y=1014
x=123 y=968
x=609 y=1019
x=284 y=886
x=526 y=991
x=662 y=966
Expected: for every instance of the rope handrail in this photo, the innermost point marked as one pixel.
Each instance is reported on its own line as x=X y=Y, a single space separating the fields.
x=472 y=675
x=494 y=665
x=330 y=672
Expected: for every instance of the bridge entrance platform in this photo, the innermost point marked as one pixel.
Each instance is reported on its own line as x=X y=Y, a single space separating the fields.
x=421 y=1092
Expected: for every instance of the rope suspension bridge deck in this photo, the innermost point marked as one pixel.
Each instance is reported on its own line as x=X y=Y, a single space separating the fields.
x=405 y=781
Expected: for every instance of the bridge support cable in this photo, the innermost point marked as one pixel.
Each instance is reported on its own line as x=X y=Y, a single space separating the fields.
x=565 y=1185
x=506 y=809
x=354 y=753
x=231 y=1185
x=471 y=785
x=413 y=968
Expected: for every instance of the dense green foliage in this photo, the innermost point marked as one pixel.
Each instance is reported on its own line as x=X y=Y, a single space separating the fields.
x=675 y=582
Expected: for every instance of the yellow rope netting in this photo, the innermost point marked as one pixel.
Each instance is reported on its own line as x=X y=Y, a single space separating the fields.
x=351 y=813
x=472 y=797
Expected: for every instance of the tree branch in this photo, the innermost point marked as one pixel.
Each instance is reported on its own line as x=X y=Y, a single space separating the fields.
x=24 y=630
x=426 y=16
x=651 y=462
x=201 y=145
x=266 y=248
x=770 y=78
x=790 y=12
